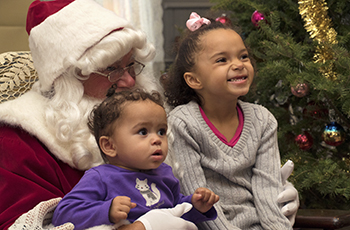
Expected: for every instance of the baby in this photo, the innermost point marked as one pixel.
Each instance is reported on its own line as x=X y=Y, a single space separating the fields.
x=130 y=128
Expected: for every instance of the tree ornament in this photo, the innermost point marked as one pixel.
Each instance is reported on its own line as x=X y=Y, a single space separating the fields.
x=257 y=17
x=333 y=134
x=163 y=78
x=300 y=90
x=224 y=20
x=304 y=140
x=318 y=24
x=315 y=111
x=281 y=95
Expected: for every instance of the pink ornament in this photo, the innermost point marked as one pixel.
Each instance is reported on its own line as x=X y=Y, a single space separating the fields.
x=257 y=17
x=223 y=19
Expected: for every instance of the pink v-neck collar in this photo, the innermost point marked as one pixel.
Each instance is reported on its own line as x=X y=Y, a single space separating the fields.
x=235 y=138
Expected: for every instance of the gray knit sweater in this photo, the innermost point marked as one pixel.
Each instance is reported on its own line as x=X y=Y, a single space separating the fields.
x=246 y=176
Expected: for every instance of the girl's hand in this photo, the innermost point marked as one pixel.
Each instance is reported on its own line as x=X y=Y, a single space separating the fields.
x=120 y=208
x=203 y=199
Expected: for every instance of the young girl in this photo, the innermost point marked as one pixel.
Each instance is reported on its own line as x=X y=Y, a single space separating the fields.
x=221 y=142
x=130 y=129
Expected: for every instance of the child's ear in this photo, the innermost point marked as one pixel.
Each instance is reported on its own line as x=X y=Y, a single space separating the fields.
x=107 y=146
x=192 y=81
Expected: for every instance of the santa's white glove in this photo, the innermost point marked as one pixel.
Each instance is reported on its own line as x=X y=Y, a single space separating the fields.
x=40 y=217
x=170 y=219
x=289 y=197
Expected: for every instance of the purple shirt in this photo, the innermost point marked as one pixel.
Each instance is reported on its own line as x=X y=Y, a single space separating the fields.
x=88 y=203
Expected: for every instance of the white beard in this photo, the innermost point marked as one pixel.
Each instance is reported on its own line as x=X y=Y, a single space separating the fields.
x=67 y=121
x=62 y=129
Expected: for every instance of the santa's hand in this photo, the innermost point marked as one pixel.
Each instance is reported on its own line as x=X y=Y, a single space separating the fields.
x=289 y=196
x=160 y=219
x=40 y=218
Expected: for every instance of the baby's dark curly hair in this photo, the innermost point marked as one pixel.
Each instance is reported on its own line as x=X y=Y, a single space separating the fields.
x=103 y=115
x=176 y=90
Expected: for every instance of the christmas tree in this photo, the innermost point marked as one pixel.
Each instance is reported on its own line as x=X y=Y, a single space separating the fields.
x=302 y=59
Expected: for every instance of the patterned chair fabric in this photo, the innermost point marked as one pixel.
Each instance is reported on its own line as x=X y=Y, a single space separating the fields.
x=17 y=74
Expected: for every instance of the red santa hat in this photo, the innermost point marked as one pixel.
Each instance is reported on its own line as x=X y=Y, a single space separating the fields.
x=61 y=29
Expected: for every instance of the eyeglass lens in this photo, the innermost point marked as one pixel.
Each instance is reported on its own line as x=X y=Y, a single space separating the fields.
x=134 y=70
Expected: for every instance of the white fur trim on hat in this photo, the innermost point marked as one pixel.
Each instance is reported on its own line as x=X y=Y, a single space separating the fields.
x=68 y=34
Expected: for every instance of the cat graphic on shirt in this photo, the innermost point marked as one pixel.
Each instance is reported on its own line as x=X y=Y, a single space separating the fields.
x=151 y=195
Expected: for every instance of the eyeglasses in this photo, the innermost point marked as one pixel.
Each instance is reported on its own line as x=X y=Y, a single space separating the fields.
x=134 y=69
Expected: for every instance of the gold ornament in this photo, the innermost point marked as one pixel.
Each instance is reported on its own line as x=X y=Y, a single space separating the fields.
x=318 y=24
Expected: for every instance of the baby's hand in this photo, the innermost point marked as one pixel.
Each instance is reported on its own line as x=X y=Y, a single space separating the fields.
x=120 y=208
x=203 y=199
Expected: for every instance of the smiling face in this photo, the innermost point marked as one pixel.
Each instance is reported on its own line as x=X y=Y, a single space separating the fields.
x=139 y=140
x=222 y=67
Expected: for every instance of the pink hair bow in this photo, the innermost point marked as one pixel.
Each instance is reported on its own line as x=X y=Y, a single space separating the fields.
x=195 y=21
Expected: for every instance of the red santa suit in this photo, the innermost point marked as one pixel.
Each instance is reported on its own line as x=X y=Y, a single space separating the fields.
x=34 y=165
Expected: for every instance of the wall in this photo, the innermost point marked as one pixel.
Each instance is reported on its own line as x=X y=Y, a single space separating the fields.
x=13 y=36
x=175 y=15
x=13 y=13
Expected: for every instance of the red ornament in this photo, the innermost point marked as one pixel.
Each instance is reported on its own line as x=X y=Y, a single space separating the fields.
x=304 y=141
x=224 y=20
x=257 y=17
x=300 y=90
x=315 y=111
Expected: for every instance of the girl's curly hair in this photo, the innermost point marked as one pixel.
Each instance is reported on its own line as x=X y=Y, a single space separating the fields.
x=103 y=115
x=177 y=92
